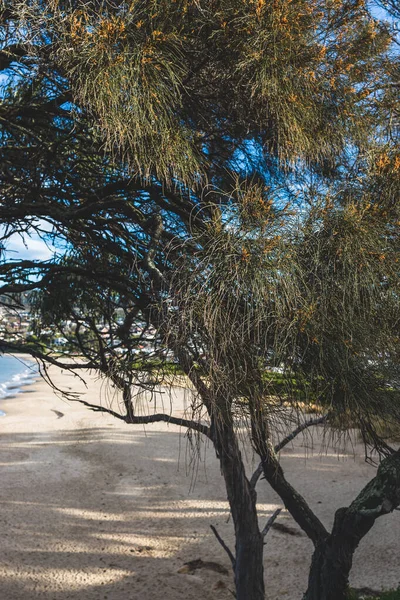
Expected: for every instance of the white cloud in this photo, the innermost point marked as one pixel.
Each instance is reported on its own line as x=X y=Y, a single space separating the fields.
x=32 y=246
x=28 y=247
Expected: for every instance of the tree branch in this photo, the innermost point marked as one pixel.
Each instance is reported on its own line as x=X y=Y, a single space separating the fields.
x=189 y=424
x=258 y=472
x=103 y=409
x=148 y=419
x=293 y=501
x=270 y=522
x=225 y=547
x=382 y=494
x=12 y=53
x=6 y=347
x=298 y=430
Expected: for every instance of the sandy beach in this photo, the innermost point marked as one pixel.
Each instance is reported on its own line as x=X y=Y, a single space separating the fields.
x=94 y=509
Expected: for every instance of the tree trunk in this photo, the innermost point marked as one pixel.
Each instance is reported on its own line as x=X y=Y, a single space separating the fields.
x=249 y=568
x=332 y=562
x=248 y=561
x=333 y=556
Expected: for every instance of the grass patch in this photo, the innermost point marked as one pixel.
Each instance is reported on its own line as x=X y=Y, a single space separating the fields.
x=393 y=595
x=389 y=595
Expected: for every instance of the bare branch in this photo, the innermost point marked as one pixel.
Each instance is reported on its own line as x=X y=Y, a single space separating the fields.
x=258 y=472
x=196 y=426
x=45 y=358
x=103 y=409
x=293 y=501
x=270 y=522
x=148 y=419
x=298 y=430
x=225 y=547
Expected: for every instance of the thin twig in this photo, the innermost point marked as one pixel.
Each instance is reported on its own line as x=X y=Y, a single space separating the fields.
x=270 y=522
x=225 y=547
x=97 y=408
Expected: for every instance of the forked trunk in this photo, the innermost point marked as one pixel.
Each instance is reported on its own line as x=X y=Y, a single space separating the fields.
x=333 y=556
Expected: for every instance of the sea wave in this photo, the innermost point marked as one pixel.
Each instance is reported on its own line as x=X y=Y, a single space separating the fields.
x=17 y=382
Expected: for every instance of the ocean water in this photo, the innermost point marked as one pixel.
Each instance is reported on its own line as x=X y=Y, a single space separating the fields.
x=15 y=373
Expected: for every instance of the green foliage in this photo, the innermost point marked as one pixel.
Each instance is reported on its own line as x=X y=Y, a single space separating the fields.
x=389 y=595
x=393 y=595
x=229 y=173
x=168 y=83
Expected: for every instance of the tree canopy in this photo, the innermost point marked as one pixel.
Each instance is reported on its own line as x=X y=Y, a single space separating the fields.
x=225 y=174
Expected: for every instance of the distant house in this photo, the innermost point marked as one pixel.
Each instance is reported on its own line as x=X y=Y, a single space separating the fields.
x=60 y=341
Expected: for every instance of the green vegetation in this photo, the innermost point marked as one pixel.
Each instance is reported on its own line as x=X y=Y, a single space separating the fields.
x=393 y=595
x=222 y=180
x=390 y=595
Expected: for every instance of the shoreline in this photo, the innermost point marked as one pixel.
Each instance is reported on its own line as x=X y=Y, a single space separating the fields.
x=19 y=382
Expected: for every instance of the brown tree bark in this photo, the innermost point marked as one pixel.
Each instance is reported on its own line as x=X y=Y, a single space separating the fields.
x=293 y=501
x=333 y=556
x=249 y=541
